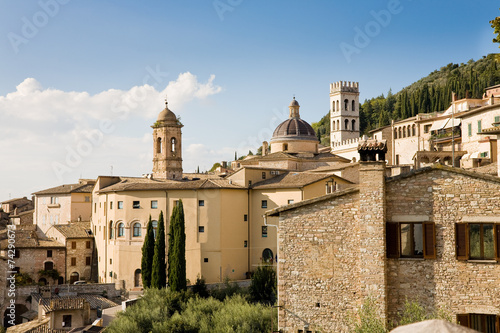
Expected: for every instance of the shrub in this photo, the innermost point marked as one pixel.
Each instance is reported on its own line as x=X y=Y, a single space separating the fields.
x=263 y=287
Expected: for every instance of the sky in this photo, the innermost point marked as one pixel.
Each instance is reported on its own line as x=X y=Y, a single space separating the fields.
x=82 y=81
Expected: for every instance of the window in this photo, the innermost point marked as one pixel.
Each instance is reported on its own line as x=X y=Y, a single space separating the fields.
x=263 y=175
x=87 y=261
x=249 y=183
x=479 y=322
x=469 y=129
x=87 y=244
x=413 y=130
x=49 y=265
x=290 y=201
x=263 y=204
x=137 y=229
x=285 y=146
x=353 y=122
x=245 y=218
x=346 y=105
x=49 y=253
x=479 y=126
x=54 y=200
x=497 y=120
x=66 y=322
x=155 y=227
x=120 y=204
x=353 y=108
x=427 y=128
x=264 y=231
x=201 y=229
x=73 y=245
x=110 y=261
x=411 y=240
x=111 y=205
x=245 y=243
x=136 y=204
x=110 y=229
x=73 y=261
x=17 y=254
x=154 y=204
x=158 y=146
x=95 y=207
x=477 y=241
x=346 y=124
x=395 y=133
x=201 y=203
x=121 y=230
x=87 y=198
x=173 y=142
x=176 y=203
x=267 y=256
x=205 y=259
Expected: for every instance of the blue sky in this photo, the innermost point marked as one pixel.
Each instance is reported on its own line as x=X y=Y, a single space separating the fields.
x=82 y=81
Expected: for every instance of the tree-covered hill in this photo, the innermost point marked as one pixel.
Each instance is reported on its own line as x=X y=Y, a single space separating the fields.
x=429 y=94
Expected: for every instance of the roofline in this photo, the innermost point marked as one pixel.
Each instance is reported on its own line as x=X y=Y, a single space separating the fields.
x=476 y=110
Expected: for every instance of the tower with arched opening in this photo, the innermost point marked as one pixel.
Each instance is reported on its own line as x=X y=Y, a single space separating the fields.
x=344 y=112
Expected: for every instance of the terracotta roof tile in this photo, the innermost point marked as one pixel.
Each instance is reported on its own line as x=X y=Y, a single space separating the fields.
x=75 y=230
x=67 y=189
x=292 y=180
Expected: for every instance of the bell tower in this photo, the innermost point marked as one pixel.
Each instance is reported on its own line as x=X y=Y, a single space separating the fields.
x=167 y=148
x=344 y=111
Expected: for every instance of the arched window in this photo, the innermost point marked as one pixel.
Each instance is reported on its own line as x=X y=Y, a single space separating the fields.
x=400 y=135
x=333 y=125
x=267 y=256
x=395 y=133
x=155 y=226
x=404 y=131
x=42 y=282
x=74 y=277
x=110 y=229
x=413 y=130
x=137 y=229
x=346 y=122
x=158 y=146
x=137 y=278
x=338 y=106
x=333 y=106
x=408 y=134
x=338 y=125
x=353 y=124
x=173 y=141
x=121 y=230
x=49 y=265
x=346 y=104
x=353 y=108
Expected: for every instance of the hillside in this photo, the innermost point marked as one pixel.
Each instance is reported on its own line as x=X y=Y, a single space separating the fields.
x=429 y=94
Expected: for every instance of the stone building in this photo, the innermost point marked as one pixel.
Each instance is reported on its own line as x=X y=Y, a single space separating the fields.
x=430 y=235
x=226 y=235
x=63 y=204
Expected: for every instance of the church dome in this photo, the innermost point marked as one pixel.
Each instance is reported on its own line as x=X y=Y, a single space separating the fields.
x=294 y=128
x=167 y=116
x=294 y=102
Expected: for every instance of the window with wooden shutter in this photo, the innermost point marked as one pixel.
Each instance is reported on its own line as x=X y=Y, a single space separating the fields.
x=463 y=320
x=392 y=239
x=461 y=238
x=429 y=240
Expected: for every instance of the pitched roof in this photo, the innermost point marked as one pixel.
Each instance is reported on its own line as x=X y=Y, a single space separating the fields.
x=24 y=199
x=75 y=230
x=95 y=301
x=293 y=180
x=29 y=239
x=144 y=184
x=67 y=189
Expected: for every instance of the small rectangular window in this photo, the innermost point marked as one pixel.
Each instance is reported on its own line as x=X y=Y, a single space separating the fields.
x=120 y=204
x=95 y=207
x=154 y=204
x=110 y=261
x=411 y=240
x=49 y=253
x=201 y=203
x=66 y=321
x=264 y=231
x=290 y=201
x=17 y=254
x=73 y=245
x=263 y=175
x=427 y=128
x=73 y=261
x=479 y=126
x=245 y=244
x=87 y=244
x=87 y=261
x=263 y=204
x=245 y=217
x=205 y=259
x=249 y=183
x=111 y=205
x=136 y=204
x=469 y=129
x=201 y=229
x=87 y=199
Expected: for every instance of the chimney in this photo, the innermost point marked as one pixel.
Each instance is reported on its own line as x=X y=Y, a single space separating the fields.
x=372 y=218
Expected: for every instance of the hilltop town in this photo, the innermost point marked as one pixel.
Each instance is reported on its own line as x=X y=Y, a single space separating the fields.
x=411 y=209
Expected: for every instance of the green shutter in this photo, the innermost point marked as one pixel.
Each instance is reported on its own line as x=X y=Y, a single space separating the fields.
x=469 y=128
x=479 y=126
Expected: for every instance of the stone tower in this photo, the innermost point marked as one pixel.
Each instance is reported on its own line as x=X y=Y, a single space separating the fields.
x=167 y=148
x=344 y=111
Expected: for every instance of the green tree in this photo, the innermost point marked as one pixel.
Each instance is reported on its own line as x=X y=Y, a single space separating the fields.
x=177 y=250
x=263 y=286
x=158 y=274
x=369 y=320
x=148 y=252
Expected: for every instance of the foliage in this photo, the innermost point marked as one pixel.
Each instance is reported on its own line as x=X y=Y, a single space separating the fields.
x=51 y=273
x=148 y=251
x=23 y=279
x=227 y=290
x=167 y=311
x=369 y=320
x=322 y=129
x=158 y=273
x=413 y=312
x=2 y=329
x=263 y=287
x=200 y=288
x=215 y=166
x=177 y=250
x=495 y=24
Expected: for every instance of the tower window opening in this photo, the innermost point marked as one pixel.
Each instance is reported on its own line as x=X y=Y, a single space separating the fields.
x=353 y=125
x=285 y=146
x=346 y=124
x=158 y=146
x=333 y=125
x=338 y=109
x=346 y=104
x=173 y=142
x=353 y=108
x=333 y=106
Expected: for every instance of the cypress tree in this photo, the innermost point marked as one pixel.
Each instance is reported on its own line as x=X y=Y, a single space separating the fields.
x=158 y=276
x=177 y=250
x=148 y=251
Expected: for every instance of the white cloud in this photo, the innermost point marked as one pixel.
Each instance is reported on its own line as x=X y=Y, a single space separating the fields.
x=43 y=127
